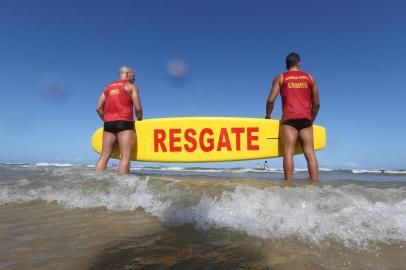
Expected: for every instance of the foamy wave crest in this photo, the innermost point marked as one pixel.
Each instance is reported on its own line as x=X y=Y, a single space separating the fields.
x=172 y=168
x=379 y=171
x=88 y=191
x=257 y=170
x=45 y=164
x=309 y=213
x=326 y=169
x=366 y=171
x=395 y=172
x=212 y=170
x=222 y=170
x=354 y=214
x=139 y=168
x=185 y=169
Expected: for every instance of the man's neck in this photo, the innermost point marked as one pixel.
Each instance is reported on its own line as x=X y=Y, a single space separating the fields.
x=294 y=69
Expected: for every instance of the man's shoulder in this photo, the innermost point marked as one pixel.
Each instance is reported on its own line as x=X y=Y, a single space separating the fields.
x=131 y=87
x=279 y=77
x=305 y=73
x=308 y=75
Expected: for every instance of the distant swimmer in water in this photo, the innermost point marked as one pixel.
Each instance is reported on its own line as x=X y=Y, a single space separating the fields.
x=300 y=105
x=266 y=166
x=115 y=108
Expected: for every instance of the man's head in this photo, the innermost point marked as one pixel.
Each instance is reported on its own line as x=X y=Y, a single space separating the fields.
x=292 y=60
x=126 y=73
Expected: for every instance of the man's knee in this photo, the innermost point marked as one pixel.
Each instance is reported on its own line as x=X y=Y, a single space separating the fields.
x=126 y=158
x=289 y=149
x=310 y=156
x=125 y=150
x=105 y=155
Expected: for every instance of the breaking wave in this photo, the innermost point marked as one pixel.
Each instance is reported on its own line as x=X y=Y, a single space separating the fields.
x=354 y=214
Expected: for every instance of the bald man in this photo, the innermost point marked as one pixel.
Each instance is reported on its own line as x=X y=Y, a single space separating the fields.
x=115 y=108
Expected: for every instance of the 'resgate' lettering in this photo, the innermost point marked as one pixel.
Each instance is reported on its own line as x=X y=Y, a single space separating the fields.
x=159 y=138
x=189 y=137
x=210 y=141
x=174 y=138
x=190 y=140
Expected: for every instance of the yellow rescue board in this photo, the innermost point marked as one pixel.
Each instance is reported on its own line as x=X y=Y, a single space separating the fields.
x=207 y=139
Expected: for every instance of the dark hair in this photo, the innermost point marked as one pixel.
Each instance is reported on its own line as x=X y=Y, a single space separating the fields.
x=292 y=60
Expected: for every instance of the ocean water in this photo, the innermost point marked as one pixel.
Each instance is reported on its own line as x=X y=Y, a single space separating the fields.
x=63 y=216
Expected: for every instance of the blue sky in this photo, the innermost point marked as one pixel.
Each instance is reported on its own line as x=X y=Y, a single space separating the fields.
x=57 y=56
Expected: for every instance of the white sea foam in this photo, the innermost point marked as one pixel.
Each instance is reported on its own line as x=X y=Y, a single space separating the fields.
x=354 y=214
x=310 y=213
x=395 y=172
x=173 y=168
x=211 y=170
x=300 y=170
x=107 y=190
x=366 y=171
x=223 y=170
x=45 y=164
x=218 y=170
x=379 y=171
x=138 y=168
x=261 y=170
x=326 y=169
x=183 y=169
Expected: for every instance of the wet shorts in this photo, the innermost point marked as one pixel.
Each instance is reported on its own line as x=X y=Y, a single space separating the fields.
x=118 y=126
x=298 y=123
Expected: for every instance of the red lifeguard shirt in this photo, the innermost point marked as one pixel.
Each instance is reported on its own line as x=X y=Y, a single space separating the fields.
x=118 y=104
x=296 y=95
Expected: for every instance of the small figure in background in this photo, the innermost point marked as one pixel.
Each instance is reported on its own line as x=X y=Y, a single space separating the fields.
x=266 y=166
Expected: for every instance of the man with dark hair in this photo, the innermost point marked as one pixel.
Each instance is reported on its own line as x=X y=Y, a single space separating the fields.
x=300 y=105
x=293 y=59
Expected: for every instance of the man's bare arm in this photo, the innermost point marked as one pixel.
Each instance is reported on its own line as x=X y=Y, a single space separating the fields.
x=135 y=96
x=315 y=100
x=100 y=106
x=276 y=86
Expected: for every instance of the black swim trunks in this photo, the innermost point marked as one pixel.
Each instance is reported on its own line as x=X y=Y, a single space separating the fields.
x=118 y=126
x=298 y=123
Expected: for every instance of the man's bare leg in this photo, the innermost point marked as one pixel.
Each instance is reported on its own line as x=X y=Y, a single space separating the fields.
x=306 y=138
x=289 y=137
x=126 y=140
x=107 y=149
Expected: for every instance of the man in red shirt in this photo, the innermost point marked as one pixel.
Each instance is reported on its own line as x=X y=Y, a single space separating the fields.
x=300 y=105
x=115 y=108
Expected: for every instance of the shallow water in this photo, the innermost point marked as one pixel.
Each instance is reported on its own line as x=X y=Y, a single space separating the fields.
x=68 y=217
